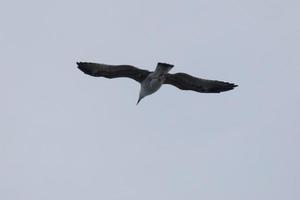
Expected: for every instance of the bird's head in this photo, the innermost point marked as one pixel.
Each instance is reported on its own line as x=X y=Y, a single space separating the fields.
x=141 y=95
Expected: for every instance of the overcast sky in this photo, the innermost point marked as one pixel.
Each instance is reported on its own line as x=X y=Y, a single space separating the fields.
x=66 y=135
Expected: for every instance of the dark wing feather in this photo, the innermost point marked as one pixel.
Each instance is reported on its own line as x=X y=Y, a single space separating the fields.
x=187 y=82
x=113 y=71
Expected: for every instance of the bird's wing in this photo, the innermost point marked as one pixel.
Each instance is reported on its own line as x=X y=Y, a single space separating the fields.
x=113 y=71
x=187 y=82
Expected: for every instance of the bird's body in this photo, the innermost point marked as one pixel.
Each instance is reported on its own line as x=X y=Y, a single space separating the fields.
x=152 y=81
x=151 y=84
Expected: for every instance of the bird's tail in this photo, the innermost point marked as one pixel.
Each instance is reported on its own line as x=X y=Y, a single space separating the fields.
x=163 y=68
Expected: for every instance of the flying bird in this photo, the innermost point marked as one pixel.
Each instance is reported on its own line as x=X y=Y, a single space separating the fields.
x=151 y=81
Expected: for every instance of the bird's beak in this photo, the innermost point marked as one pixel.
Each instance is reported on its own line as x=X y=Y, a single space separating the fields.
x=139 y=101
x=141 y=96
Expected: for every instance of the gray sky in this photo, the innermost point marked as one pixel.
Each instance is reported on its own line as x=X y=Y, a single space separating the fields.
x=65 y=135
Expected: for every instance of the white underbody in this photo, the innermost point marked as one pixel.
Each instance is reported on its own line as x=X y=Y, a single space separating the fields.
x=151 y=84
x=153 y=81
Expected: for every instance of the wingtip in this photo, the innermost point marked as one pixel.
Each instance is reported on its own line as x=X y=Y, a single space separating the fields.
x=85 y=68
x=79 y=64
x=232 y=86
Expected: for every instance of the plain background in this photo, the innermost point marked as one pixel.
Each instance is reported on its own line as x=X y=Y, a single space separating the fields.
x=65 y=135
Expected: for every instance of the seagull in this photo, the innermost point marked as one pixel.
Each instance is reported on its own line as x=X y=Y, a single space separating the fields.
x=151 y=81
